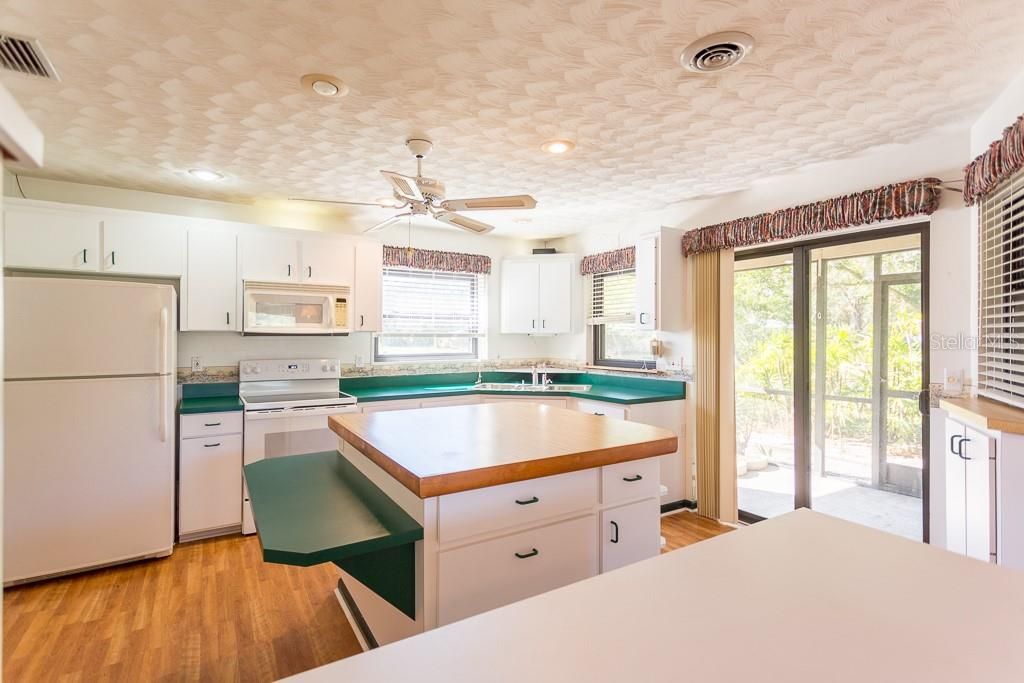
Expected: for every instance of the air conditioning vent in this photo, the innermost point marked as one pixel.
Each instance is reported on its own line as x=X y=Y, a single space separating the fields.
x=25 y=56
x=717 y=52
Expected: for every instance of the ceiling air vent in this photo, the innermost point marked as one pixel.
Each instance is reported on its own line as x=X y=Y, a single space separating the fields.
x=25 y=56
x=717 y=52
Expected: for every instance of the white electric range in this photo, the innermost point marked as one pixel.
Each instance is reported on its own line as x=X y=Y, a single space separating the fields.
x=287 y=403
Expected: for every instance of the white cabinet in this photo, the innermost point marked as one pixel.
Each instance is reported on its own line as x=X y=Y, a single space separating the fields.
x=143 y=244
x=601 y=409
x=369 y=275
x=971 y=483
x=647 y=283
x=270 y=257
x=630 y=533
x=327 y=260
x=482 y=576
x=536 y=294
x=51 y=239
x=211 y=301
x=209 y=475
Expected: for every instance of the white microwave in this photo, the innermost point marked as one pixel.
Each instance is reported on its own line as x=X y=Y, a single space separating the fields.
x=276 y=308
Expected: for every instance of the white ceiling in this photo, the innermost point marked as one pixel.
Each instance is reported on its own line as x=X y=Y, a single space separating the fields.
x=150 y=89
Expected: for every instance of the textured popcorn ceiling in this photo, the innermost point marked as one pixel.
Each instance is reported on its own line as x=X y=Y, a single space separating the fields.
x=151 y=89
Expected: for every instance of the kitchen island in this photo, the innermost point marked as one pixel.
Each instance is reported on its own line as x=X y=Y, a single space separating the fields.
x=800 y=598
x=509 y=500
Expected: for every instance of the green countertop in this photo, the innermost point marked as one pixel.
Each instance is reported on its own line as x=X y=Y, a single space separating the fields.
x=610 y=388
x=220 y=397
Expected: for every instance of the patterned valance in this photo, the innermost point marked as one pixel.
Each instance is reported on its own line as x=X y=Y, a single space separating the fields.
x=1003 y=158
x=899 y=200
x=609 y=261
x=428 y=259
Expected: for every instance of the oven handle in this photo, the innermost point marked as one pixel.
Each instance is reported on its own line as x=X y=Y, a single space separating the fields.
x=277 y=413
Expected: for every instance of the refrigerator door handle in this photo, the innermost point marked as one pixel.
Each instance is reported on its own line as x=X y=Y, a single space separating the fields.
x=165 y=334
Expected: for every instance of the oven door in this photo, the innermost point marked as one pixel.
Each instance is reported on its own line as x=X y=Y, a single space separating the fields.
x=280 y=432
x=269 y=311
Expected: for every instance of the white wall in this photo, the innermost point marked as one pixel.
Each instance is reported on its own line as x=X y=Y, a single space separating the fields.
x=226 y=348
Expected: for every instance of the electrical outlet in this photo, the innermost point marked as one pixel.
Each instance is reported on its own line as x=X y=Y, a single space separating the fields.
x=197 y=364
x=358 y=361
x=952 y=382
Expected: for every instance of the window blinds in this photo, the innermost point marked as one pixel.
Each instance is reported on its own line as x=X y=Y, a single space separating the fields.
x=613 y=298
x=424 y=303
x=1001 y=293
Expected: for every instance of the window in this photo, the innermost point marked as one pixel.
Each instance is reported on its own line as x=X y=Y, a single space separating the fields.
x=617 y=342
x=1001 y=293
x=429 y=315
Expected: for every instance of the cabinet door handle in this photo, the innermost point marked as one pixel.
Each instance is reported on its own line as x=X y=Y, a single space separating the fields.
x=289 y=270
x=543 y=323
x=642 y=321
x=113 y=258
x=960 y=448
x=361 y=320
x=533 y=324
x=310 y=270
x=528 y=501
x=85 y=256
x=211 y=424
x=599 y=414
x=227 y=317
x=533 y=553
x=615 y=530
x=953 y=443
x=211 y=445
x=635 y=477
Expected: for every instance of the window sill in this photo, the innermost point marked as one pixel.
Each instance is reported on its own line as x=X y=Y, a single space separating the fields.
x=613 y=368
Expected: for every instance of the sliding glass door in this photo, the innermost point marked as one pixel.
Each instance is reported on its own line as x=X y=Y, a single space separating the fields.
x=828 y=389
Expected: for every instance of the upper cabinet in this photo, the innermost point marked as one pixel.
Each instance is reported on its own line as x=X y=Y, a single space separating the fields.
x=143 y=244
x=327 y=260
x=536 y=294
x=211 y=298
x=270 y=257
x=369 y=270
x=51 y=239
x=94 y=240
x=647 y=283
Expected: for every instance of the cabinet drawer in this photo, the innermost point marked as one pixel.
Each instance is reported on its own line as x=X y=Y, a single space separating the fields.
x=480 y=511
x=553 y=402
x=482 y=576
x=599 y=408
x=208 y=424
x=620 y=482
x=210 y=483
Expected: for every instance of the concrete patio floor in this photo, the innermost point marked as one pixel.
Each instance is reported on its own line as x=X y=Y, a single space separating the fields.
x=769 y=492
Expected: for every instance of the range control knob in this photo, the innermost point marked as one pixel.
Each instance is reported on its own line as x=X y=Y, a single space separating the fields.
x=325 y=367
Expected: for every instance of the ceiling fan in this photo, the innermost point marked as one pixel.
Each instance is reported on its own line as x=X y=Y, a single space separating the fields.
x=425 y=197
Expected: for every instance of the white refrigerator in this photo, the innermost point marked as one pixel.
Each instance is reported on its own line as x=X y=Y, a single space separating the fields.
x=89 y=412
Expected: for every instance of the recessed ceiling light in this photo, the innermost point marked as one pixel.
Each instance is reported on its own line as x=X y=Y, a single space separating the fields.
x=204 y=174
x=324 y=85
x=558 y=146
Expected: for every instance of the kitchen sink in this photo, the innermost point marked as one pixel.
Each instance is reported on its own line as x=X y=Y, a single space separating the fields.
x=513 y=387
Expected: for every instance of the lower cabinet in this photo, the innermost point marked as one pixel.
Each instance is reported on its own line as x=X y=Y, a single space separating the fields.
x=971 y=520
x=482 y=576
x=630 y=533
x=209 y=478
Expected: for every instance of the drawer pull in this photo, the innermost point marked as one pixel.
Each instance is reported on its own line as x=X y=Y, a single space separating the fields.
x=211 y=424
x=532 y=553
x=528 y=501
x=211 y=445
x=599 y=414
x=615 y=528
x=635 y=477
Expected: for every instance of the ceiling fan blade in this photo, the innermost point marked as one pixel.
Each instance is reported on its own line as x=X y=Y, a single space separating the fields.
x=515 y=201
x=390 y=221
x=333 y=201
x=405 y=187
x=463 y=222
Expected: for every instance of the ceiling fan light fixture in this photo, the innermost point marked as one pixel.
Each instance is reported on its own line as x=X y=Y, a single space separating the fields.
x=324 y=85
x=560 y=146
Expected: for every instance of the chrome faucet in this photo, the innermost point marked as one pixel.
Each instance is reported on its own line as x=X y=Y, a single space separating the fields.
x=533 y=375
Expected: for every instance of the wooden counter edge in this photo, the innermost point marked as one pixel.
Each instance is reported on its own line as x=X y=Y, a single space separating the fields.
x=985 y=413
x=454 y=482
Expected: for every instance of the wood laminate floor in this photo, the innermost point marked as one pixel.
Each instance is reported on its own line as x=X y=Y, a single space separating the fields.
x=212 y=611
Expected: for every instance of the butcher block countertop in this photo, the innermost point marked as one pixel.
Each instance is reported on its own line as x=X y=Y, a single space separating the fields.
x=436 y=451
x=985 y=414
x=801 y=598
